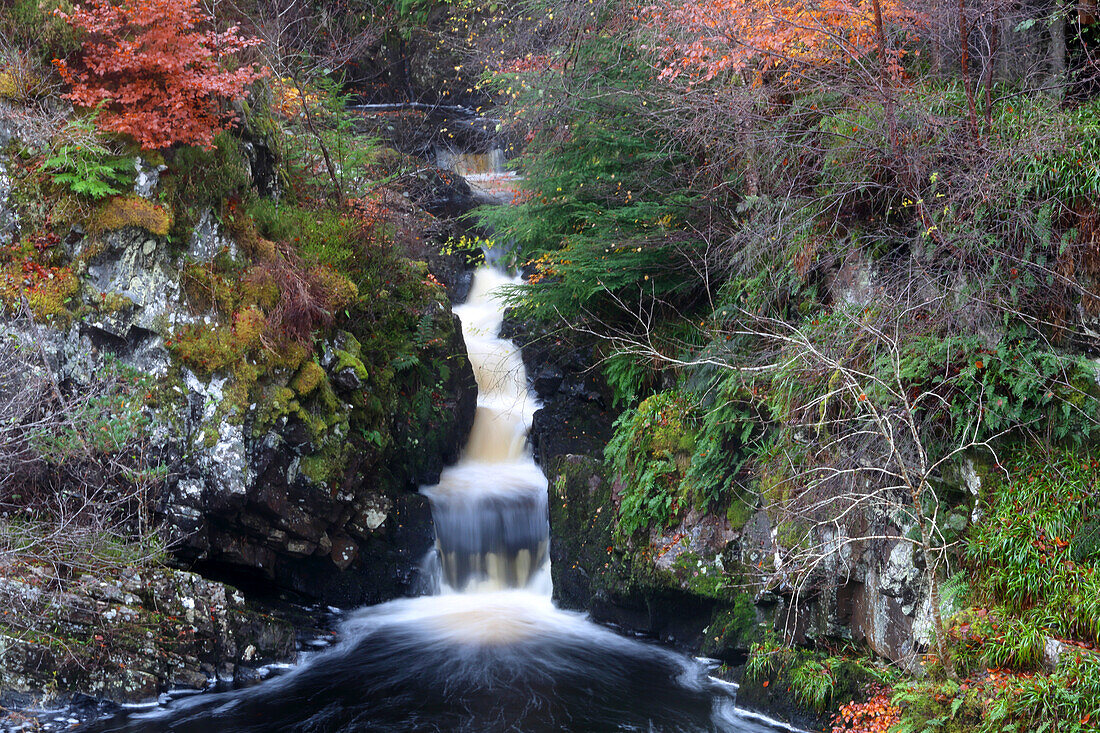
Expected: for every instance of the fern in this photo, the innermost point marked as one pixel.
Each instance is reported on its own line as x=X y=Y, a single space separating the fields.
x=85 y=165
x=403 y=362
x=626 y=376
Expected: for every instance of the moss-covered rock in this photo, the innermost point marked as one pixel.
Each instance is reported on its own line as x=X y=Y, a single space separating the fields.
x=633 y=587
x=121 y=212
x=129 y=636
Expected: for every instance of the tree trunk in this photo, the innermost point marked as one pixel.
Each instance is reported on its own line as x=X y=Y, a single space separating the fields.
x=968 y=83
x=1057 y=55
x=884 y=80
x=337 y=188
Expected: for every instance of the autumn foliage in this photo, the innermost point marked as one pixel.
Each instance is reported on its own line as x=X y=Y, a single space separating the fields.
x=160 y=77
x=876 y=715
x=705 y=38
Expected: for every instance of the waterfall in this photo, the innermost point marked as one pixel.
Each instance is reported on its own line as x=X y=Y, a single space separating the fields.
x=487 y=652
x=489 y=509
x=489 y=179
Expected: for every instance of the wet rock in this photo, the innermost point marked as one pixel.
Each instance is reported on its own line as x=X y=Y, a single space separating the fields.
x=267 y=504
x=129 y=637
x=442 y=193
x=455 y=270
x=146 y=177
x=576 y=417
x=262 y=166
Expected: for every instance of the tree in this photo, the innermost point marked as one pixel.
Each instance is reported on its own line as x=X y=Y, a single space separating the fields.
x=705 y=38
x=157 y=75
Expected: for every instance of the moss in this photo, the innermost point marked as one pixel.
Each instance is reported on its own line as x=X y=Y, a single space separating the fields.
x=207 y=349
x=199 y=179
x=308 y=378
x=259 y=287
x=36 y=273
x=120 y=212
x=327 y=465
x=740 y=511
x=792 y=534
x=700 y=577
x=49 y=299
x=349 y=359
x=207 y=289
x=734 y=627
x=9 y=87
x=272 y=404
x=114 y=303
x=775 y=489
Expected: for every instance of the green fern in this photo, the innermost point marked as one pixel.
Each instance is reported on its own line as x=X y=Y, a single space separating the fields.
x=86 y=166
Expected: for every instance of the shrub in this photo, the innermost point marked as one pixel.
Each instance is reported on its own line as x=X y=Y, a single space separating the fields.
x=651 y=450
x=155 y=73
x=1025 y=552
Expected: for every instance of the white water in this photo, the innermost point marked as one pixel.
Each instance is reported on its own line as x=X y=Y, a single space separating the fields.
x=488 y=652
x=490 y=508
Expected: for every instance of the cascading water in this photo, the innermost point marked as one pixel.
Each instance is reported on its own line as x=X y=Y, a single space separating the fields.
x=489 y=179
x=488 y=651
x=490 y=509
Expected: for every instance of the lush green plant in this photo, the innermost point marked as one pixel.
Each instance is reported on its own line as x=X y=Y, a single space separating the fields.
x=681 y=448
x=1023 y=551
x=729 y=431
x=1067 y=701
x=627 y=376
x=819 y=680
x=323 y=150
x=104 y=422
x=1020 y=383
x=651 y=450
x=201 y=178
x=604 y=209
x=85 y=165
x=320 y=236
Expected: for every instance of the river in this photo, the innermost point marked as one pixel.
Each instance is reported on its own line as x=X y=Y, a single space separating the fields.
x=487 y=650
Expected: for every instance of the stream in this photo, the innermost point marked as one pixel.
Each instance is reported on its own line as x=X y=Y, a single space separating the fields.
x=487 y=650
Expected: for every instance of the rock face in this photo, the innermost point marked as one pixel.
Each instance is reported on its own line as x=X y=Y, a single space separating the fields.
x=261 y=498
x=266 y=478
x=262 y=502
x=675 y=588
x=698 y=584
x=131 y=637
x=576 y=417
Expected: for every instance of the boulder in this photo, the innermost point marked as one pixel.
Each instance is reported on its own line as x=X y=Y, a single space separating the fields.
x=131 y=635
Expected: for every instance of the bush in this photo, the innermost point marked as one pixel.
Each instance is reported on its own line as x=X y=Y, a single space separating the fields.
x=156 y=76
x=1023 y=556
x=674 y=451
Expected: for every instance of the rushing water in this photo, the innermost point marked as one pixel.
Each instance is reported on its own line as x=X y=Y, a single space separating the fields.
x=487 y=651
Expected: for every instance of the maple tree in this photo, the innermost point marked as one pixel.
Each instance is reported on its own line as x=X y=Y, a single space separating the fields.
x=155 y=70
x=705 y=38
